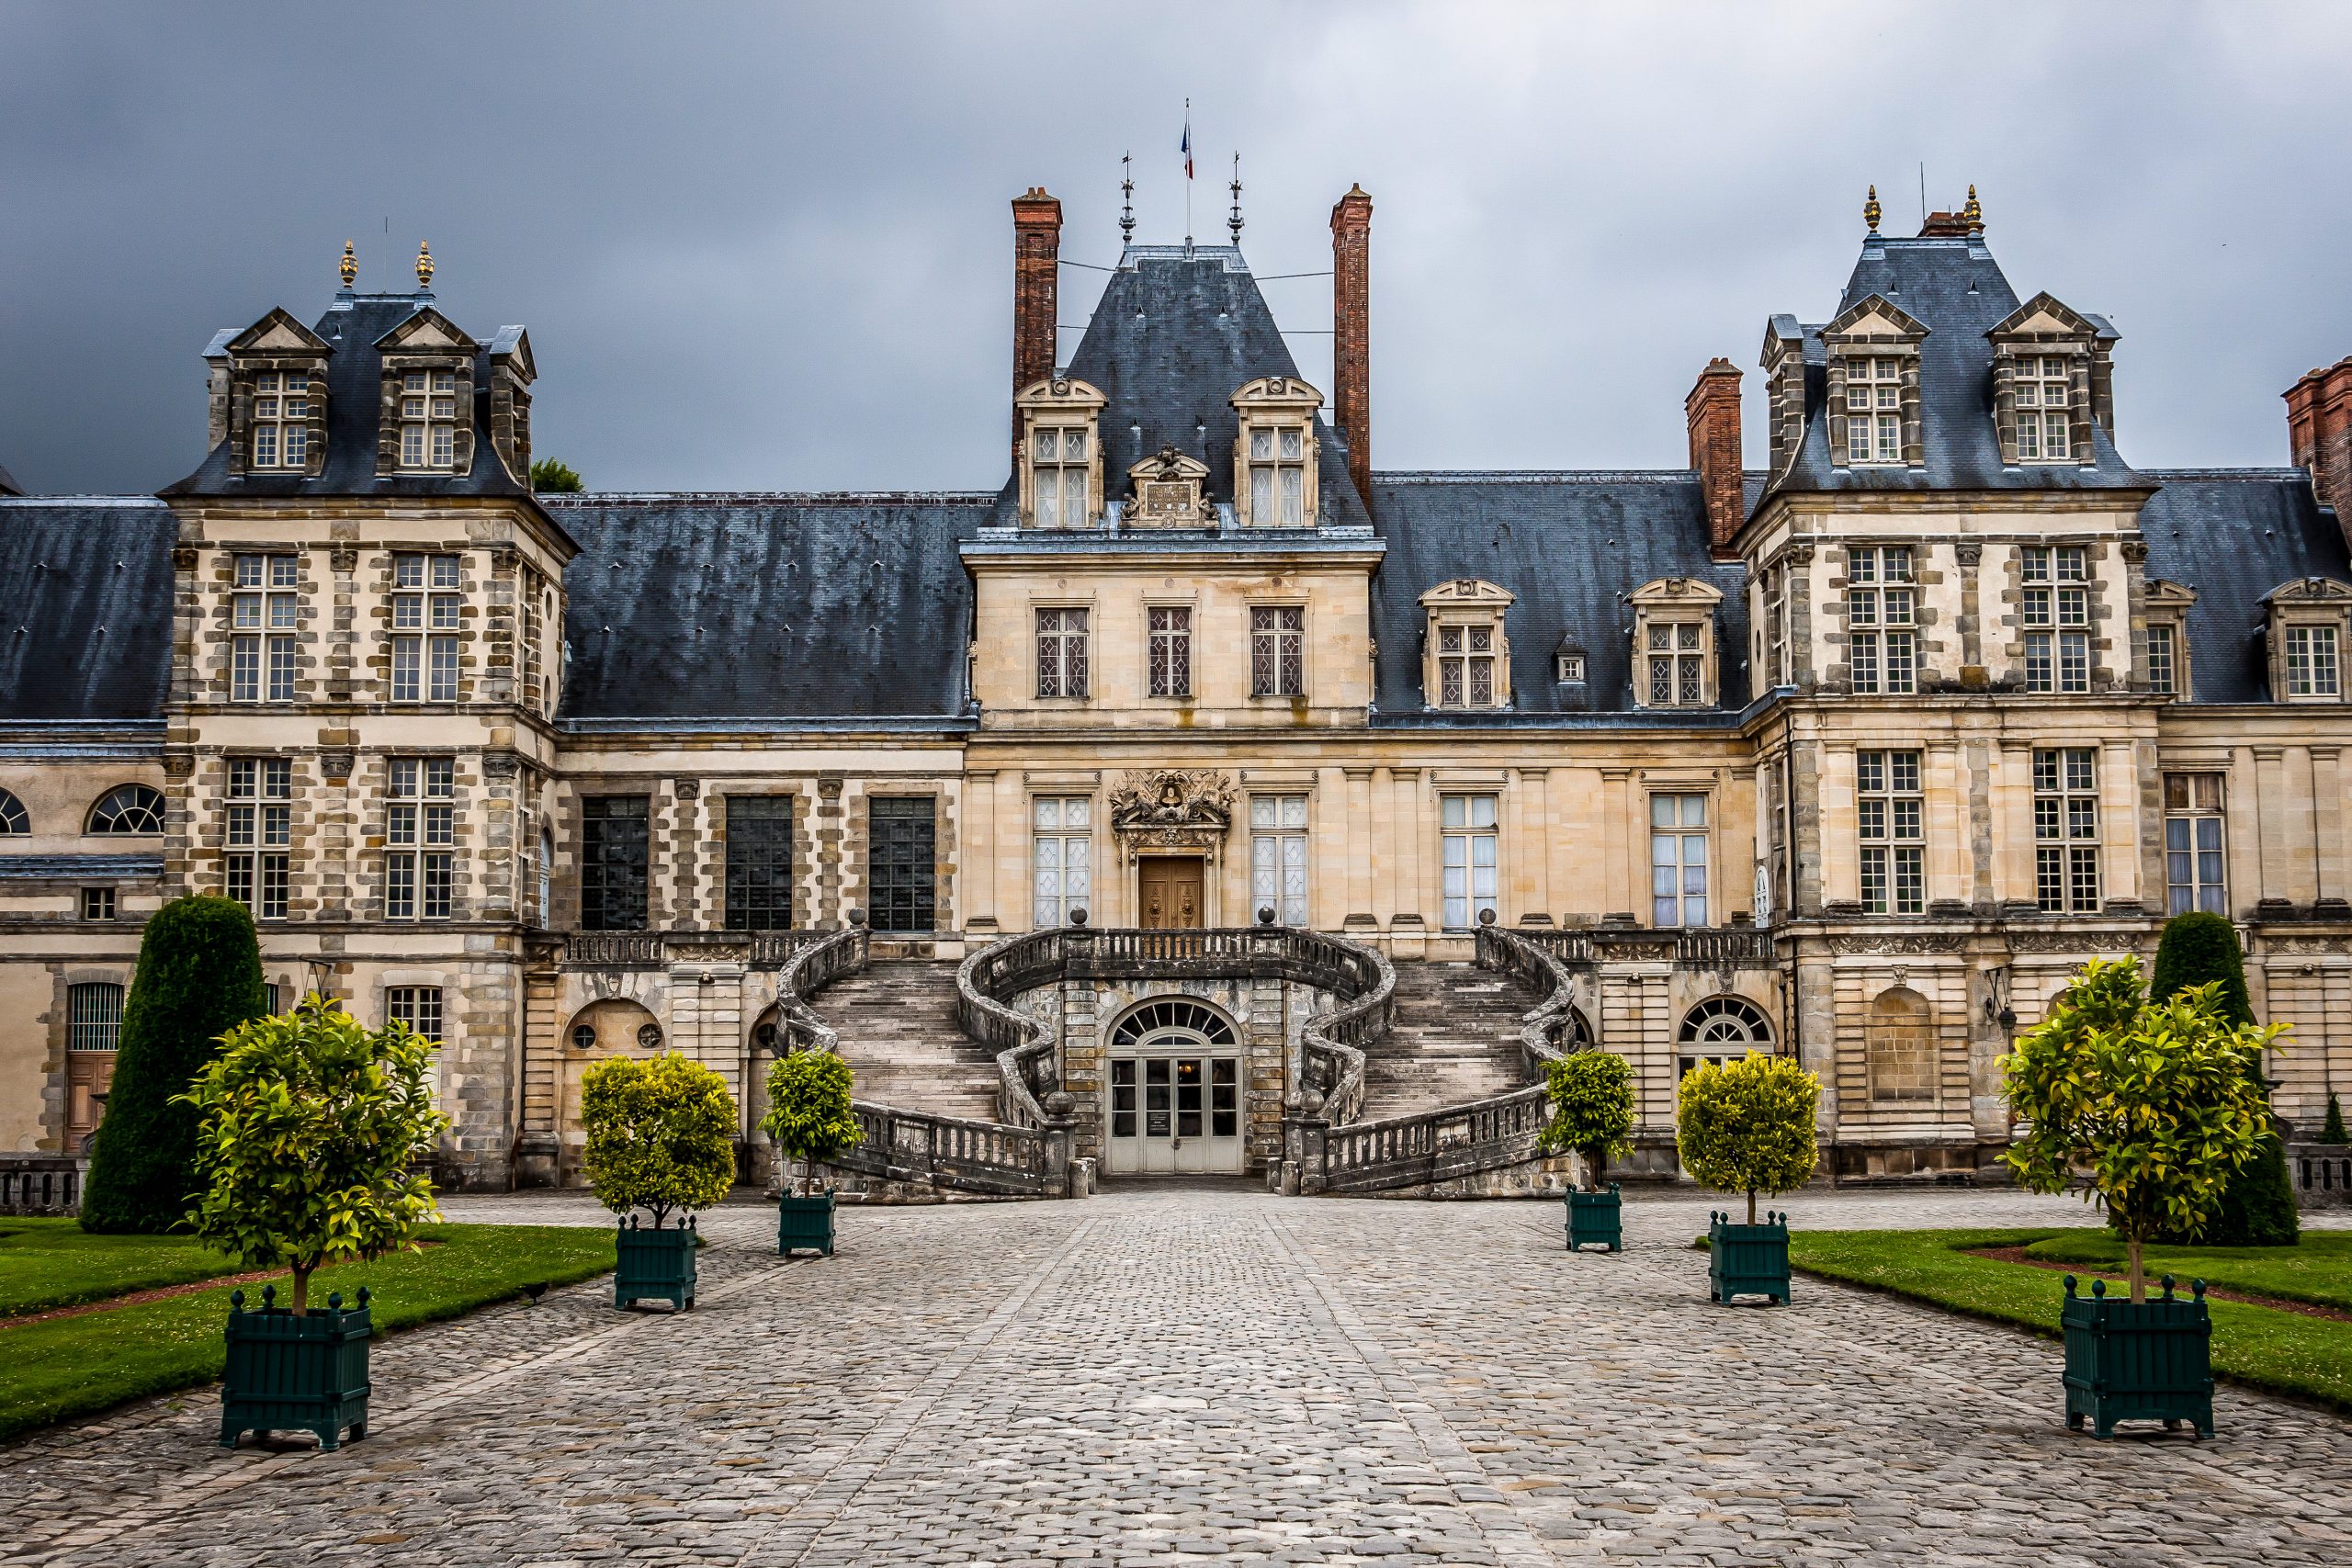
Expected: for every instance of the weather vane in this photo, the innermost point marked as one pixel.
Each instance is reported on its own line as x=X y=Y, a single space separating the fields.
x=1127 y=199
x=1234 y=220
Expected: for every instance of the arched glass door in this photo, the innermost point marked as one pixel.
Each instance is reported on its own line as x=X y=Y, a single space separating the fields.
x=1174 y=1092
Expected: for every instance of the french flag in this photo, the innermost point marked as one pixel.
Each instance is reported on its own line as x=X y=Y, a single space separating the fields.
x=1187 y=147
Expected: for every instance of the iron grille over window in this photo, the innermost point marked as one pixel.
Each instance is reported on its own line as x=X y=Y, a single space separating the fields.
x=902 y=872
x=614 y=848
x=95 y=1009
x=759 y=862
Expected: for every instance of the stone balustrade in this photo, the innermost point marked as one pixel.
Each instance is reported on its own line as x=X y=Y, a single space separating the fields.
x=40 y=1183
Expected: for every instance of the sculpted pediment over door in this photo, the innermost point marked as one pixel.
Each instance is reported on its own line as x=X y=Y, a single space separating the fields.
x=1171 y=808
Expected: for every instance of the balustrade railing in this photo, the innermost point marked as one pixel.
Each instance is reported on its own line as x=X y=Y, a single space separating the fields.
x=1730 y=947
x=1436 y=1145
x=33 y=1183
x=613 y=949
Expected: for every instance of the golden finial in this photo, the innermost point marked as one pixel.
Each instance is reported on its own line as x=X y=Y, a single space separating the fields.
x=1870 y=210
x=349 y=265
x=424 y=267
x=1973 y=213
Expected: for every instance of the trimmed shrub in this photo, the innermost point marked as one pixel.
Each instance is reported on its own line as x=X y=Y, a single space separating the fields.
x=2331 y=1130
x=199 y=978
x=661 y=1135
x=2257 y=1205
x=1747 y=1126
x=1592 y=1108
x=552 y=476
x=808 y=1111
x=2201 y=949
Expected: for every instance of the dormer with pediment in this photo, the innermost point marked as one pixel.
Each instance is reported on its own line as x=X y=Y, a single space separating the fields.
x=1061 y=462
x=1465 y=647
x=1167 y=492
x=2165 y=664
x=2310 y=625
x=269 y=396
x=1675 y=656
x=1274 y=453
x=426 y=403
x=1873 y=353
x=2052 y=375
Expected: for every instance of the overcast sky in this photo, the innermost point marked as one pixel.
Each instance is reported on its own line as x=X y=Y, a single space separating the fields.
x=761 y=247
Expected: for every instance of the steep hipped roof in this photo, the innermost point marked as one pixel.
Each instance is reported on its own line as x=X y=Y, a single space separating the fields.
x=1956 y=289
x=1173 y=338
x=1571 y=547
x=355 y=396
x=767 y=607
x=2233 y=535
x=8 y=484
x=86 y=628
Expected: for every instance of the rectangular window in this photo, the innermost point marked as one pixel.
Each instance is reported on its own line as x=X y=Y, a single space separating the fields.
x=420 y=838
x=1061 y=653
x=901 y=864
x=1278 y=857
x=2311 y=661
x=2044 y=386
x=280 y=414
x=614 y=856
x=1679 y=860
x=2194 y=882
x=1776 y=625
x=95 y=1016
x=2054 y=608
x=2065 y=830
x=419 y=1007
x=1277 y=650
x=257 y=834
x=1062 y=857
x=1469 y=831
x=1881 y=610
x=1873 y=409
x=1170 y=633
x=98 y=902
x=265 y=613
x=1466 y=666
x=1678 y=664
x=428 y=419
x=426 y=611
x=2161 y=678
x=1890 y=812
x=759 y=862
x=1059 y=475
x=1277 y=474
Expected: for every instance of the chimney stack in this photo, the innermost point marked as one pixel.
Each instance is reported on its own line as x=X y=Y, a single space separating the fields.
x=1713 y=409
x=1036 y=300
x=1350 y=337
x=2319 y=435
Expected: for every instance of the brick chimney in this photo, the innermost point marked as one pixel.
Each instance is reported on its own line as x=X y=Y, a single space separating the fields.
x=1713 y=409
x=1350 y=337
x=2319 y=435
x=1037 y=296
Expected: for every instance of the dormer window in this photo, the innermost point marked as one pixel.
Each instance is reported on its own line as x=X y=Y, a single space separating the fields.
x=1568 y=668
x=2044 y=386
x=1465 y=667
x=1873 y=409
x=1678 y=664
x=1467 y=662
x=2164 y=643
x=1278 y=474
x=1674 y=643
x=2312 y=667
x=428 y=419
x=1060 y=460
x=2308 y=627
x=1274 y=458
x=281 y=419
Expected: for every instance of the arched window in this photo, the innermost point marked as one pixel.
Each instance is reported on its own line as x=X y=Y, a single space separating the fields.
x=1722 y=1028
x=12 y=816
x=1191 y=1021
x=126 y=810
x=1899 y=1037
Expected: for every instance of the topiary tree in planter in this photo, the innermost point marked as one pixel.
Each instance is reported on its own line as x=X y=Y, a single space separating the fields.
x=309 y=1130
x=812 y=1121
x=2258 y=1207
x=1747 y=1126
x=1592 y=1113
x=199 y=978
x=661 y=1137
x=2331 y=1130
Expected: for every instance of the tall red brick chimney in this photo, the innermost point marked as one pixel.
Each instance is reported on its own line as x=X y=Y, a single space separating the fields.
x=2319 y=435
x=1351 y=337
x=1036 y=300
x=1713 y=409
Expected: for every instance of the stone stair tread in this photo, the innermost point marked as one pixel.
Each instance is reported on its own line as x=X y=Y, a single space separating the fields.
x=899 y=1033
x=1455 y=1038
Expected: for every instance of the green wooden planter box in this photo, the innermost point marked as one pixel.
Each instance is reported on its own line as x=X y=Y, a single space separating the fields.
x=2149 y=1362
x=1747 y=1260
x=295 y=1374
x=1596 y=1219
x=655 y=1265
x=804 y=1224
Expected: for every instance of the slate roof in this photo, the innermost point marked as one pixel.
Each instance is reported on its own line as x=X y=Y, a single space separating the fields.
x=2233 y=535
x=9 y=485
x=1954 y=288
x=767 y=607
x=351 y=326
x=1170 y=342
x=1571 y=547
x=86 y=629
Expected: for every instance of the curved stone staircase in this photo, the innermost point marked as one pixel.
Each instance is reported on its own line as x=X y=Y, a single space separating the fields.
x=899 y=1034
x=1454 y=1039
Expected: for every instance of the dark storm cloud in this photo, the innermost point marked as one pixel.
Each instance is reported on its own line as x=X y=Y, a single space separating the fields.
x=765 y=247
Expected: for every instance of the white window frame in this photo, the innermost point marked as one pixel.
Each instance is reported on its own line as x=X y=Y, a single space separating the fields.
x=419 y=1007
x=1061 y=858
x=280 y=421
x=1277 y=476
x=1471 y=855
x=257 y=834
x=2055 y=609
x=420 y=838
x=1874 y=409
x=2313 y=660
x=1890 y=814
x=2196 y=843
x=428 y=411
x=426 y=612
x=1680 y=858
x=1278 y=857
x=2066 y=861
x=1881 y=617
x=265 y=615
x=2043 y=386
x=1061 y=476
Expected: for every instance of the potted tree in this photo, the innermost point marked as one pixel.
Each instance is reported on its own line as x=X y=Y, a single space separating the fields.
x=308 y=1130
x=1592 y=1113
x=811 y=1120
x=1747 y=1126
x=661 y=1138
x=2151 y=1108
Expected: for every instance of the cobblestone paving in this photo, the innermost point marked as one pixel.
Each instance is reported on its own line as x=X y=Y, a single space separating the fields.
x=1196 y=1375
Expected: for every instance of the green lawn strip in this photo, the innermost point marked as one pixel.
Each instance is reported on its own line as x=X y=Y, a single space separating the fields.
x=2263 y=1348
x=50 y=1263
x=2319 y=1271
x=65 y=1367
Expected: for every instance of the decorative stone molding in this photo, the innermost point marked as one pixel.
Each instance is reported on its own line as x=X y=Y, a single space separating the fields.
x=1910 y=944
x=1171 y=808
x=343 y=559
x=686 y=789
x=499 y=765
x=336 y=766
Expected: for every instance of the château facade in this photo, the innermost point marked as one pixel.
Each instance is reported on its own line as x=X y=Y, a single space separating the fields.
x=1852 y=755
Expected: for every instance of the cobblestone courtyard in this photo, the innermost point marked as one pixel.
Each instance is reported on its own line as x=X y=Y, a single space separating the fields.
x=1176 y=1376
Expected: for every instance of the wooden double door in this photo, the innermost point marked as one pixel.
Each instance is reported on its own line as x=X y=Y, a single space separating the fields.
x=1172 y=892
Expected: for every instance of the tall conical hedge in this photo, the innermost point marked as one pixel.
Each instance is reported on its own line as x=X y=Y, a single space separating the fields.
x=2331 y=1130
x=2259 y=1209
x=199 y=976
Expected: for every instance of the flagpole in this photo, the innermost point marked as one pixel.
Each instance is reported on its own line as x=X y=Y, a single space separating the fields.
x=1188 y=174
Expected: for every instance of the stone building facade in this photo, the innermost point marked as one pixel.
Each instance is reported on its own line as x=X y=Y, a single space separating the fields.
x=1851 y=756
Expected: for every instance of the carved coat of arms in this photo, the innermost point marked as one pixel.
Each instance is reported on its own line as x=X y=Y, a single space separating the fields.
x=1171 y=808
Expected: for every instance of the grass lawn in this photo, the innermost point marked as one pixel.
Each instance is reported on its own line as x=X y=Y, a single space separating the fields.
x=53 y=1263
x=2261 y=1346
x=72 y=1366
x=2319 y=1271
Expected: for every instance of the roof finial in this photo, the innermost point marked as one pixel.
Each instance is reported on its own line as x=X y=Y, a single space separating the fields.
x=348 y=266
x=424 y=268
x=1973 y=213
x=1127 y=199
x=1234 y=220
x=1871 y=211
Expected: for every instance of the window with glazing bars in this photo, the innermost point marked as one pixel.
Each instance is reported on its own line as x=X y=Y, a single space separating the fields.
x=759 y=862
x=2311 y=661
x=1169 y=657
x=2194 y=869
x=2161 y=666
x=1278 y=857
x=1873 y=409
x=1061 y=653
x=257 y=834
x=264 y=610
x=1467 y=838
x=1678 y=664
x=1466 y=666
x=280 y=416
x=614 y=849
x=1677 y=859
x=428 y=419
x=2044 y=386
x=1061 y=853
x=2065 y=830
x=2055 y=609
x=1277 y=650
x=419 y=1007
x=1881 y=605
x=426 y=611
x=1277 y=474
x=1059 y=478
x=1889 y=813
x=420 y=838
x=901 y=864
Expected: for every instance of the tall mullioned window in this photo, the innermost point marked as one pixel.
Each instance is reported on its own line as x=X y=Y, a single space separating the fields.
x=759 y=862
x=1677 y=859
x=1468 y=840
x=1882 y=649
x=2312 y=670
x=1277 y=650
x=901 y=863
x=1061 y=653
x=428 y=419
x=1277 y=474
x=614 y=851
x=281 y=414
x=2163 y=677
x=264 y=611
x=427 y=609
x=1061 y=853
x=2195 y=872
x=1170 y=653
x=1873 y=409
x=257 y=834
x=1890 y=814
x=1058 y=471
x=1278 y=857
x=2045 y=395
x=2055 y=609
x=2065 y=830
x=420 y=838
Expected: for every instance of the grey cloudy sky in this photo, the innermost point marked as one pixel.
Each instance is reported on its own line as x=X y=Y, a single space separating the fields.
x=760 y=246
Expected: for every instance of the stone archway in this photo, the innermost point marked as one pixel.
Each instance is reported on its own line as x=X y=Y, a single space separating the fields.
x=614 y=1026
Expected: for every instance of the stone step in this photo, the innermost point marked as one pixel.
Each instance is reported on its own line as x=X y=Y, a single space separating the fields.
x=1455 y=1038
x=899 y=1033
